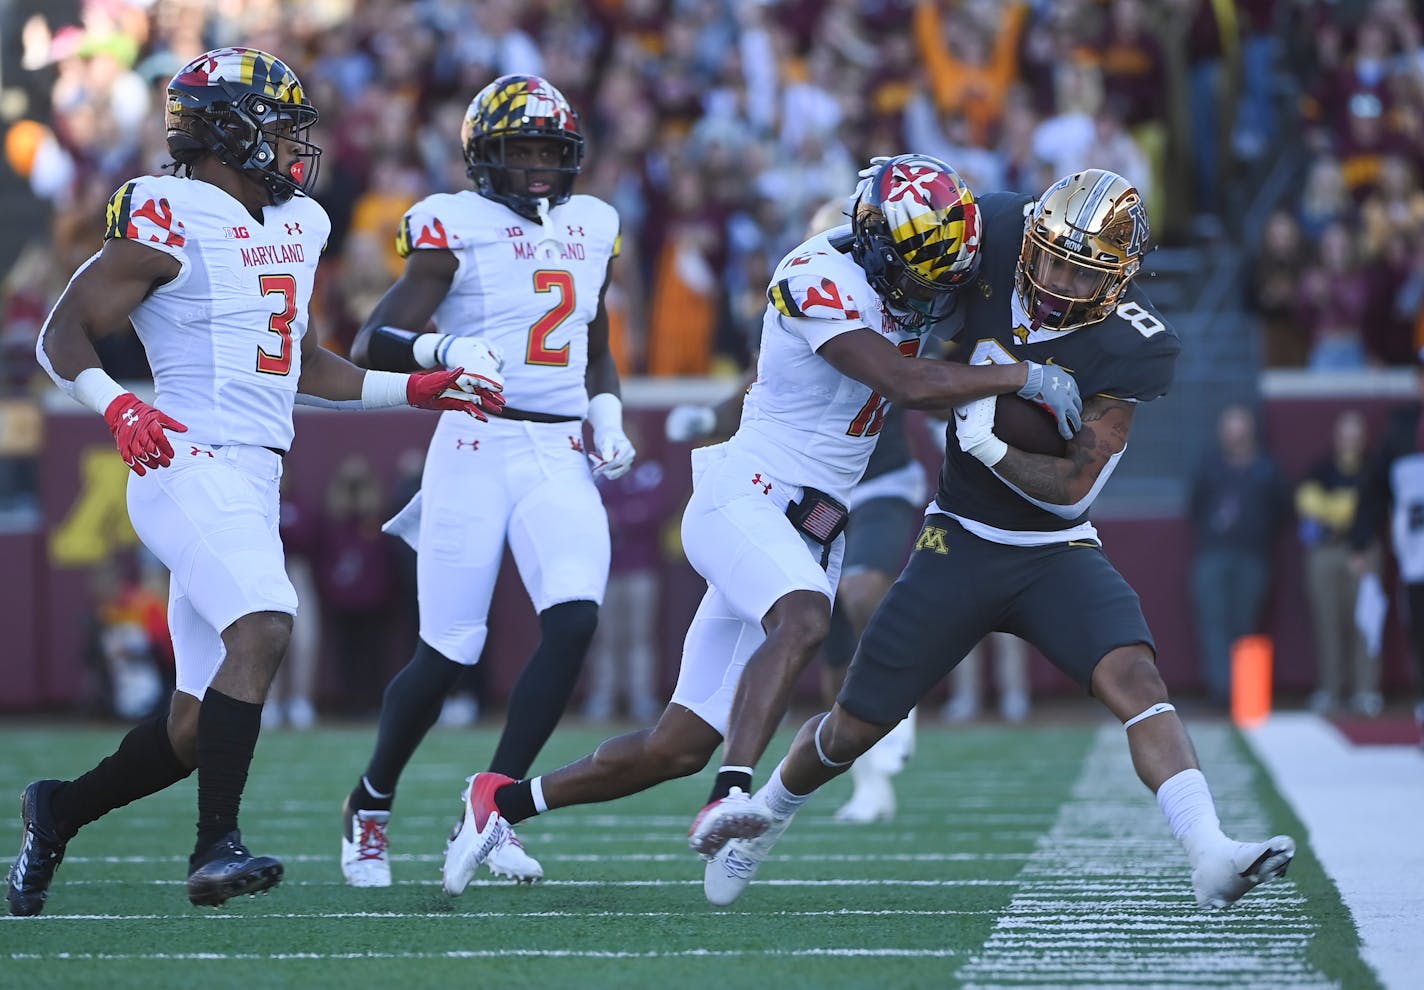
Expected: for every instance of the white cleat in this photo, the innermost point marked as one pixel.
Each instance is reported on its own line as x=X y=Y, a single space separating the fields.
x=728 y=873
x=365 y=848
x=1223 y=876
x=735 y=816
x=509 y=859
x=873 y=799
x=477 y=834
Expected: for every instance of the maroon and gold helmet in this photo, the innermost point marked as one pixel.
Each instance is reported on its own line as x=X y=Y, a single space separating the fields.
x=247 y=108
x=520 y=107
x=1083 y=242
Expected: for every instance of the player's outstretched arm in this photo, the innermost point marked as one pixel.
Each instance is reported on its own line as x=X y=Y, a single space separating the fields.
x=1069 y=479
x=97 y=302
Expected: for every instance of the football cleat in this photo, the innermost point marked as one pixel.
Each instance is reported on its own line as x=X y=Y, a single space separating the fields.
x=873 y=799
x=1221 y=877
x=41 y=852
x=735 y=816
x=731 y=869
x=480 y=830
x=509 y=859
x=226 y=869
x=365 y=847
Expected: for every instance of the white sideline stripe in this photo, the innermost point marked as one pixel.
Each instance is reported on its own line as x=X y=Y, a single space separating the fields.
x=839 y=953
x=1110 y=843
x=601 y=858
x=1363 y=806
x=476 y=915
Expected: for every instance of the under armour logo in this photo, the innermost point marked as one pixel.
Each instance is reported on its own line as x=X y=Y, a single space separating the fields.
x=576 y=444
x=574 y=230
x=129 y=417
x=293 y=228
x=765 y=486
x=461 y=444
x=197 y=451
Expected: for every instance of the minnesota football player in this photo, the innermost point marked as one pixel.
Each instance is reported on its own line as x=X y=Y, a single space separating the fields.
x=214 y=267
x=1009 y=532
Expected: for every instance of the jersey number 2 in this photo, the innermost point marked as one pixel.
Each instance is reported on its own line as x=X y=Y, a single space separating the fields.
x=279 y=323
x=547 y=280
x=871 y=418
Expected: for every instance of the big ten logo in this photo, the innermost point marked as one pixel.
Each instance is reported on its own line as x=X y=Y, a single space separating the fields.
x=237 y=233
x=96 y=523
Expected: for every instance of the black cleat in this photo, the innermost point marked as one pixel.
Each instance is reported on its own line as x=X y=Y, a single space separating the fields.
x=226 y=870
x=40 y=853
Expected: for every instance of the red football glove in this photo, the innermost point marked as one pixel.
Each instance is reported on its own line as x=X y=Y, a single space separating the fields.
x=443 y=390
x=138 y=431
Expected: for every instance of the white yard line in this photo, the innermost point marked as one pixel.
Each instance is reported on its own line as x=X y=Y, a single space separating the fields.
x=834 y=953
x=1106 y=899
x=1364 y=809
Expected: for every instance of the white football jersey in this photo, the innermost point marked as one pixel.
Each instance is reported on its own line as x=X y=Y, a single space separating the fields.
x=816 y=425
x=224 y=338
x=529 y=290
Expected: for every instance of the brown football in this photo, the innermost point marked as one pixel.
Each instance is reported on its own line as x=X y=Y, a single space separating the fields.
x=1027 y=426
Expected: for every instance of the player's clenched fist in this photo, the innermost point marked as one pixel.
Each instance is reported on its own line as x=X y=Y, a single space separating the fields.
x=138 y=431
x=453 y=389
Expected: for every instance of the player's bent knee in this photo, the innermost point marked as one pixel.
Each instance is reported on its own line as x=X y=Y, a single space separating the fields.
x=1128 y=677
x=569 y=623
x=261 y=636
x=801 y=617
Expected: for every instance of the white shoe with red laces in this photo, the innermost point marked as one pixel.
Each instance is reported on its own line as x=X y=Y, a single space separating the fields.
x=365 y=848
x=479 y=832
x=735 y=816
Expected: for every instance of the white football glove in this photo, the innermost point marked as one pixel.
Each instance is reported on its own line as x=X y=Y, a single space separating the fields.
x=686 y=423
x=481 y=360
x=974 y=426
x=614 y=452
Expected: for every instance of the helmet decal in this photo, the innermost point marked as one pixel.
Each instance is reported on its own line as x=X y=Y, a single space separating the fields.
x=520 y=107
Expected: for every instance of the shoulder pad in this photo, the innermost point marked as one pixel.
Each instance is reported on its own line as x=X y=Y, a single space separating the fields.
x=813 y=296
x=139 y=211
x=429 y=226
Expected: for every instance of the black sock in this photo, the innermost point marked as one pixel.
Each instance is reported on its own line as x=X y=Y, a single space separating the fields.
x=143 y=764
x=515 y=801
x=362 y=799
x=227 y=736
x=542 y=692
x=411 y=706
x=727 y=778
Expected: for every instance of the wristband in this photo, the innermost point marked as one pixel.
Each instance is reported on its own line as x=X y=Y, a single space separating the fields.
x=96 y=389
x=426 y=349
x=605 y=412
x=991 y=451
x=384 y=389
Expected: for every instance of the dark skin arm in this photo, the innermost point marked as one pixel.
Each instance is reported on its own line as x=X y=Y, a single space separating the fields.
x=917 y=383
x=99 y=300
x=1065 y=480
x=328 y=375
x=602 y=373
x=410 y=302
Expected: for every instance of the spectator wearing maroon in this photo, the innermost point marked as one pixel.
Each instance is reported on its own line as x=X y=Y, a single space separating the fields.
x=1335 y=301
x=356 y=575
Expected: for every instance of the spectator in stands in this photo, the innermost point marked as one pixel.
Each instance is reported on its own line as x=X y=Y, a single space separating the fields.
x=1237 y=506
x=1335 y=298
x=1273 y=291
x=1325 y=503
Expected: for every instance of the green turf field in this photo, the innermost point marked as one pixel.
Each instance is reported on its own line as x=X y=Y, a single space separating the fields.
x=1020 y=857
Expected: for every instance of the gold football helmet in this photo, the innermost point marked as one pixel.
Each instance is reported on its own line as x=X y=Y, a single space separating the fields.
x=1083 y=242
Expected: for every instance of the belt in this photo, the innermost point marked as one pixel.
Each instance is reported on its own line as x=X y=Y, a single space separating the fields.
x=536 y=417
x=277 y=451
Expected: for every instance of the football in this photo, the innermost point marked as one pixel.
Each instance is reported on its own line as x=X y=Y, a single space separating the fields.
x=1027 y=426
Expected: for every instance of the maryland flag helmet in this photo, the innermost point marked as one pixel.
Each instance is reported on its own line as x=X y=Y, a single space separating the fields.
x=250 y=110
x=1083 y=242
x=916 y=231
x=520 y=107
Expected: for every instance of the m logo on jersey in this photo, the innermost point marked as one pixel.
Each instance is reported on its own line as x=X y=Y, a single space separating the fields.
x=932 y=538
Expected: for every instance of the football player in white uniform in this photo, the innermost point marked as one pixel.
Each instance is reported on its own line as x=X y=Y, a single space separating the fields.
x=213 y=265
x=512 y=271
x=847 y=315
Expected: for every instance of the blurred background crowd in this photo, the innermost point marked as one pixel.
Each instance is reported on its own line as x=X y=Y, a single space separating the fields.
x=1278 y=143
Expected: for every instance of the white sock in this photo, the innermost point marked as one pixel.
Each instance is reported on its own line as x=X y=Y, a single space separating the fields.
x=774 y=795
x=1186 y=802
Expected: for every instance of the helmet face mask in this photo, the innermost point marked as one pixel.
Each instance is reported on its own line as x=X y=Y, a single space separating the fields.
x=522 y=144
x=247 y=108
x=1083 y=242
x=916 y=235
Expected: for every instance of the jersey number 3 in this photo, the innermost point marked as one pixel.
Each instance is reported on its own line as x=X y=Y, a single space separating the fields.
x=279 y=323
x=547 y=280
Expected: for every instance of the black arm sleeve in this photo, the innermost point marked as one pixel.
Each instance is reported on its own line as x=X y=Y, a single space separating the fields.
x=390 y=349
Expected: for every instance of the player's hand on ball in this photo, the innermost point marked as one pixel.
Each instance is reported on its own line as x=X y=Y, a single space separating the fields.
x=974 y=429
x=1056 y=391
